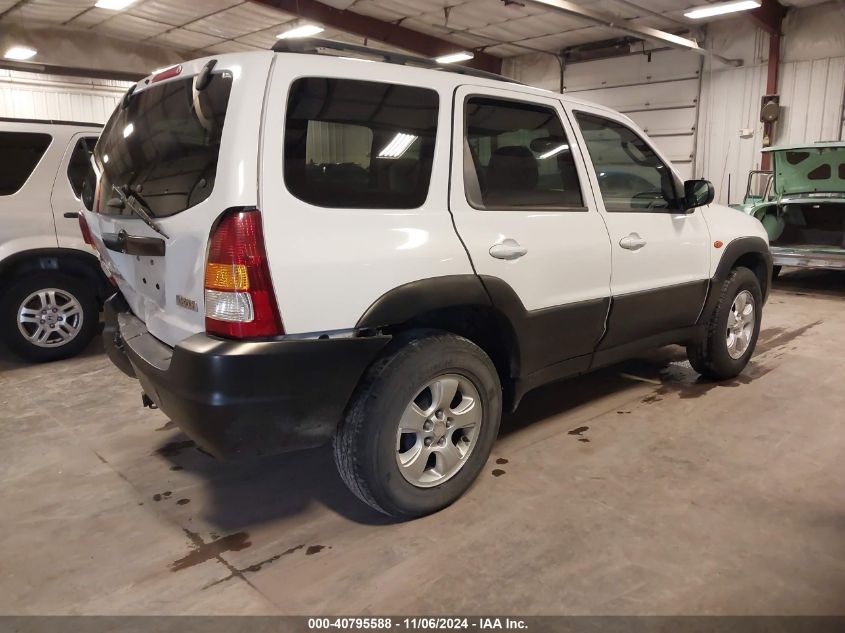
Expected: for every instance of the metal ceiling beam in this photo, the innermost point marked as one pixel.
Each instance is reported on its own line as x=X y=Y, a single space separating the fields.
x=385 y=32
x=769 y=16
x=620 y=24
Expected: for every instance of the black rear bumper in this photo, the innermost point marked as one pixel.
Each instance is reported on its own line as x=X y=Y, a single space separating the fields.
x=238 y=398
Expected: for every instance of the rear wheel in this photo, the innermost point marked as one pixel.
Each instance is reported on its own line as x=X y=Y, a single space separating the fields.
x=48 y=317
x=421 y=425
x=732 y=328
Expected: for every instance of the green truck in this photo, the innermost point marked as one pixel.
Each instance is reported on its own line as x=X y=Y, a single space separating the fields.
x=801 y=203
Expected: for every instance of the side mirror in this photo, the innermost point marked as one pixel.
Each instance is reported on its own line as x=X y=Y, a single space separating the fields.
x=698 y=193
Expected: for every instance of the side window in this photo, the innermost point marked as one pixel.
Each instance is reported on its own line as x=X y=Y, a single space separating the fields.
x=631 y=176
x=19 y=154
x=80 y=163
x=359 y=144
x=517 y=156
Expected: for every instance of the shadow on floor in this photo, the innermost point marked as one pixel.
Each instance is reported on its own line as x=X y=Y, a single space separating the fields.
x=828 y=283
x=10 y=362
x=244 y=494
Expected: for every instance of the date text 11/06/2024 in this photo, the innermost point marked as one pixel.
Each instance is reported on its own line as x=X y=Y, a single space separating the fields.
x=421 y=623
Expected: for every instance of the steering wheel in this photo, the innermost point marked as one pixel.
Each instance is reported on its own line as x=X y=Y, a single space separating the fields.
x=653 y=196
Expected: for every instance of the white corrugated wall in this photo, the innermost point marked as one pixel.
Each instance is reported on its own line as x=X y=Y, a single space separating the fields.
x=34 y=96
x=812 y=98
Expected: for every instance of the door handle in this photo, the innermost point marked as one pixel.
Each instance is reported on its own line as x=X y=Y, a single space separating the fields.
x=508 y=249
x=71 y=215
x=632 y=242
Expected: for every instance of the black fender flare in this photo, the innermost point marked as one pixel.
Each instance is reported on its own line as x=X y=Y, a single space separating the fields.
x=405 y=302
x=734 y=251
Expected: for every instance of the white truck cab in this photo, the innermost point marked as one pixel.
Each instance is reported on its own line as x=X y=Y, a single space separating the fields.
x=315 y=248
x=51 y=285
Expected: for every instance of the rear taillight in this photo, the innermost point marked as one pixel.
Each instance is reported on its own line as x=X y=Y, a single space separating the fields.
x=239 y=298
x=86 y=230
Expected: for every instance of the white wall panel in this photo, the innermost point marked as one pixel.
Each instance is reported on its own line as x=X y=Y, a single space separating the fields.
x=812 y=95
x=33 y=96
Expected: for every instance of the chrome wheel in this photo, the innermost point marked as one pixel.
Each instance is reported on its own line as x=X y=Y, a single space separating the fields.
x=438 y=430
x=741 y=323
x=50 y=317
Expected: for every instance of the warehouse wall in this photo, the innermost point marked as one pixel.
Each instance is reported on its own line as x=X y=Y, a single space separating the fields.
x=811 y=85
x=34 y=96
x=703 y=136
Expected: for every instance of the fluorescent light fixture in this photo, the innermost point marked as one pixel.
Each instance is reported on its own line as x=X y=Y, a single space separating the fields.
x=720 y=8
x=127 y=131
x=454 y=57
x=20 y=53
x=398 y=146
x=305 y=30
x=113 y=5
x=554 y=152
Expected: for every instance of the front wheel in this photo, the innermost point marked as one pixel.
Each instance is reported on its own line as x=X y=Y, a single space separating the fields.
x=48 y=317
x=421 y=425
x=732 y=328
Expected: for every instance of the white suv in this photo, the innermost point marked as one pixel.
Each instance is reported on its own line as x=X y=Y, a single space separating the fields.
x=312 y=248
x=51 y=284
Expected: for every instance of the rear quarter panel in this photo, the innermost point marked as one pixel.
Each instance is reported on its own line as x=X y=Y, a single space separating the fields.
x=330 y=264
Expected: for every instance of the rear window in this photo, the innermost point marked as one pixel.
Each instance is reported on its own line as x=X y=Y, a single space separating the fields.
x=165 y=145
x=359 y=144
x=19 y=154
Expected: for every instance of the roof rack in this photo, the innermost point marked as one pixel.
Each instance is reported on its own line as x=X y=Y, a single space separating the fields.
x=317 y=46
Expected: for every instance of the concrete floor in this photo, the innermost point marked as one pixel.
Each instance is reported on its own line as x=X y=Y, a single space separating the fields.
x=634 y=490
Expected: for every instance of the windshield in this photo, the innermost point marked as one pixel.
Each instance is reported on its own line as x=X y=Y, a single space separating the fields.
x=164 y=146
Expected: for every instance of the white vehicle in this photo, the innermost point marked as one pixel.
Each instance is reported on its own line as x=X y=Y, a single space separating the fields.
x=51 y=284
x=313 y=248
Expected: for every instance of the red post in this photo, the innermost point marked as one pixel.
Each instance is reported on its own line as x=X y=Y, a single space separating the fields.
x=771 y=88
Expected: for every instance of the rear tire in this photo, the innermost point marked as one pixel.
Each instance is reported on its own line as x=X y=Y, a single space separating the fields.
x=444 y=393
x=731 y=330
x=31 y=305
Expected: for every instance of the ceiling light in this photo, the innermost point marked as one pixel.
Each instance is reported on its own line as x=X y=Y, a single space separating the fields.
x=306 y=30
x=20 y=53
x=721 y=8
x=454 y=57
x=113 y=5
x=398 y=146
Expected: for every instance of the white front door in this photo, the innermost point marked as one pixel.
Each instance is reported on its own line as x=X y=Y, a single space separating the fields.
x=523 y=208
x=660 y=250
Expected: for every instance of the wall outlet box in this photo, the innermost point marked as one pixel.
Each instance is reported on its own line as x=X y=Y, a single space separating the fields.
x=746 y=133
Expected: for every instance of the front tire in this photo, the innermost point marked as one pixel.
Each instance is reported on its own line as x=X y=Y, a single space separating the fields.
x=48 y=317
x=421 y=425
x=732 y=328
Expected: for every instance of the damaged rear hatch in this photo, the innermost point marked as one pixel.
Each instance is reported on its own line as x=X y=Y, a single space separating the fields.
x=169 y=162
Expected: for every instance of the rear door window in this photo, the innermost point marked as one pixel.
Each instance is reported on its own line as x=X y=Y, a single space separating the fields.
x=517 y=156
x=359 y=144
x=19 y=154
x=165 y=144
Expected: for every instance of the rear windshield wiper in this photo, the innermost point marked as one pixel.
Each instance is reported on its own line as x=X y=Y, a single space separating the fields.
x=129 y=199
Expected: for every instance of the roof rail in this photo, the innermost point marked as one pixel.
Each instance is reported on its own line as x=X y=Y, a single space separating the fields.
x=317 y=46
x=8 y=119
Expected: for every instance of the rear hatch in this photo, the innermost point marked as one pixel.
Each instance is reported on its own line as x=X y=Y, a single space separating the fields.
x=180 y=150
